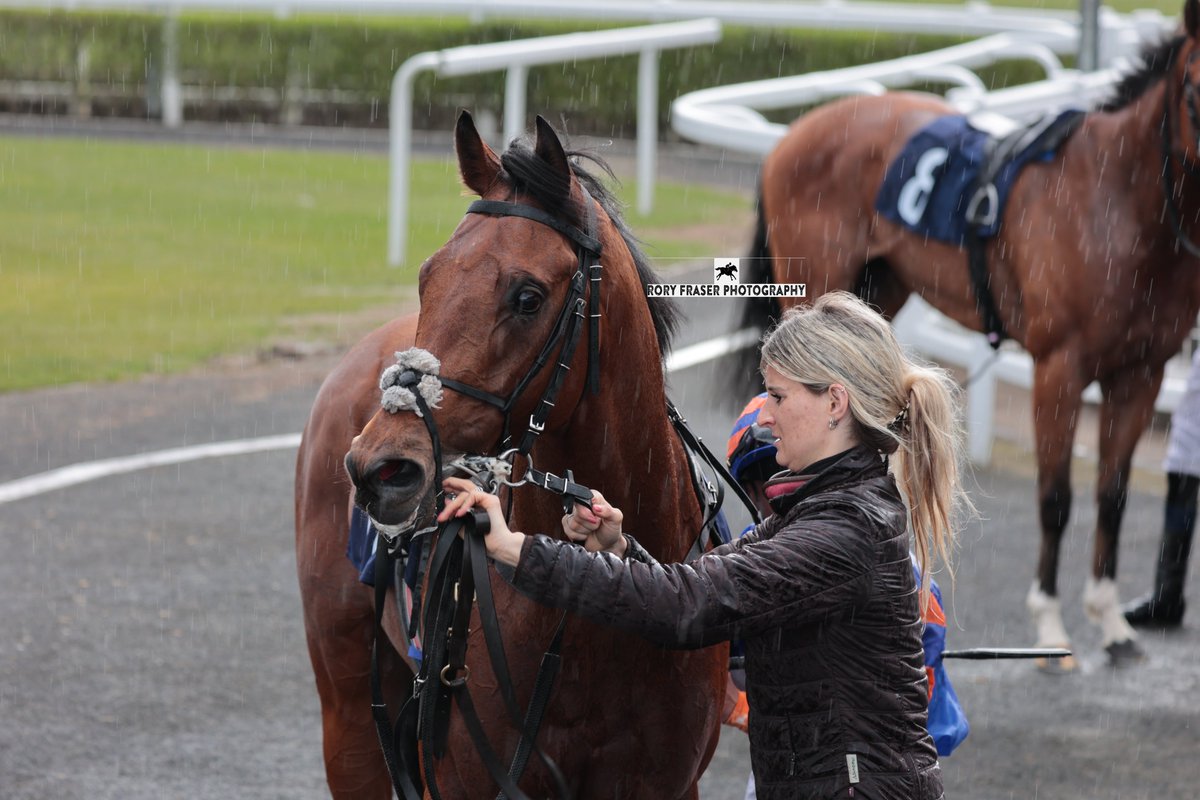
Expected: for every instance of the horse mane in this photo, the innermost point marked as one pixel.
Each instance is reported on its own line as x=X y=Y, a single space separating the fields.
x=1154 y=61
x=529 y=174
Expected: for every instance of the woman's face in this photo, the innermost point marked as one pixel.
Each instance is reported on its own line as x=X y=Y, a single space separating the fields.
x=799 y=420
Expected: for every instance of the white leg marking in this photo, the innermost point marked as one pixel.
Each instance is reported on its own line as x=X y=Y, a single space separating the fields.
x=1103 y=607
x=1047 y=617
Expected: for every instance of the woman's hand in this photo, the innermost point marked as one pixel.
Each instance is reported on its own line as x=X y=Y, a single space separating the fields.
x=597 y=528
x=503 y=545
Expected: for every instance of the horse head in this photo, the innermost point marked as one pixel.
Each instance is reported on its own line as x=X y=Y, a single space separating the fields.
x=510 y=311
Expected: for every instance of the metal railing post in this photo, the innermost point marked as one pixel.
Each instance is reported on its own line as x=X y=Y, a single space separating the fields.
x=400 y=152
x=647 y=129
x=172 y=91
x=981 y=402
x=516 y=87
x=1089 y=35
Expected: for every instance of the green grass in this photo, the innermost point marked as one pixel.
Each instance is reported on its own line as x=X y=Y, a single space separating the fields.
x=118 y=260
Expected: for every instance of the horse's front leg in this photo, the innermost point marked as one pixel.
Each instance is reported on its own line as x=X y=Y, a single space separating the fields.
x=1057 y=390
x=339 y=646
x=1125 y=412
x=339 y=623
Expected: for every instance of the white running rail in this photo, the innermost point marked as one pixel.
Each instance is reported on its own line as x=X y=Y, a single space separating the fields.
x=729 y=117
x=516 y=57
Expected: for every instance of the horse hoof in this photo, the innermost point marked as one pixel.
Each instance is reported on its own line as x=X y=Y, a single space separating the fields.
x=1056 y=666
x=1124 y=653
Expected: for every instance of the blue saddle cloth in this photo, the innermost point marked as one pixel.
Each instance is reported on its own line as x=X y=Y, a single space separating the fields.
x=364 y=540
x=930 y=187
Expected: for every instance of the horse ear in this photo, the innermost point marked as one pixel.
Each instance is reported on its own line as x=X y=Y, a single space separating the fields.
x=1191 y=16
x=477 y=163
x=550 y=149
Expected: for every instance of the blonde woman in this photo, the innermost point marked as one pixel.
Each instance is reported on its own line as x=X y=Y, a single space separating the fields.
x=822 y=594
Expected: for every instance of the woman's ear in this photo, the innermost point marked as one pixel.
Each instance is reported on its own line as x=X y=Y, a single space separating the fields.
x=839 y=401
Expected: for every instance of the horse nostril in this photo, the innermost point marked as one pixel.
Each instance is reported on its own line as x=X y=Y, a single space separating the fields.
x=398 y=473
x=352 y=468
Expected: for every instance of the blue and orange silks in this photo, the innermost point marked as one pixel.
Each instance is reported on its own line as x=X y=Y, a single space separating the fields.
x=947 y=722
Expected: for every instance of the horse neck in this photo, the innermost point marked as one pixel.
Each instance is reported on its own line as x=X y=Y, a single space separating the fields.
x=1126 y=144
x=1127 y=141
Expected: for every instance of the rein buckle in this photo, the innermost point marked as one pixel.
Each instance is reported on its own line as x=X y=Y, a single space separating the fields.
x=454 y=683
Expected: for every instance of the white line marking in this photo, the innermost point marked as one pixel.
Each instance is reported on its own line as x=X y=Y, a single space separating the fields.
x=712 y=349
x=91 y=470
x=87 y=471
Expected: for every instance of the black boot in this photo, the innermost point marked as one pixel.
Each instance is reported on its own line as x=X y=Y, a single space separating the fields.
x=1164 y=606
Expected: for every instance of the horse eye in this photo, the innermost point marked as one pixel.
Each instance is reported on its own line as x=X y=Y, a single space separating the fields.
x=527 y=302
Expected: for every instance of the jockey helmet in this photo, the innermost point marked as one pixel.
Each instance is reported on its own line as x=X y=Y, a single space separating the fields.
x=751 y=443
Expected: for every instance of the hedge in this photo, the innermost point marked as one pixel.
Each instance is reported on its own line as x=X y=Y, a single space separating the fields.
x=347 y=62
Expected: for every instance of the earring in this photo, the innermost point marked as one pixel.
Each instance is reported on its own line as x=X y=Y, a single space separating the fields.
x=832 y=423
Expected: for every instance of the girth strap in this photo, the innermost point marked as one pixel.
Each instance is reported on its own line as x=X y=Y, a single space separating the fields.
x=1046 y=134
x=981 y=282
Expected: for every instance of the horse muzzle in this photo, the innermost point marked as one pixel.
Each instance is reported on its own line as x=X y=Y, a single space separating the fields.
x=391 y=491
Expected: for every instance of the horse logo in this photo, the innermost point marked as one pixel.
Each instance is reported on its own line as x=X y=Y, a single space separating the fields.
x=726 y=268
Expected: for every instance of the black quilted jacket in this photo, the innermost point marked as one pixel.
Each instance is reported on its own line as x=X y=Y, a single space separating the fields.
x=823 y=597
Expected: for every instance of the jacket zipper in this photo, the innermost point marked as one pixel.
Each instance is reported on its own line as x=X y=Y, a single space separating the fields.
x=791 y=771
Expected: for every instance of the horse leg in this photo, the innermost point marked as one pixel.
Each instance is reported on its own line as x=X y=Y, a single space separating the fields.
x=1125 y=412
x=1057 y=391
x=339 y=643
x=339 y=622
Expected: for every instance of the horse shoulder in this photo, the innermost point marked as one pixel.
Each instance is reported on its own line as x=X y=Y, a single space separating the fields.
x=1079 y=235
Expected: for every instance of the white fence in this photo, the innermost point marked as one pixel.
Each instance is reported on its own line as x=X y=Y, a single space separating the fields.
x=517 y=57
x=728 y=117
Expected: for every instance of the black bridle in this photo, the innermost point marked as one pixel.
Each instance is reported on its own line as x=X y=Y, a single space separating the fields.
x=568 y=327
x=457 y=564
x=1188 y=92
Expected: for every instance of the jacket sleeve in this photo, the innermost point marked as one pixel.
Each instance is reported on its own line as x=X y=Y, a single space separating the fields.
x=808 y=569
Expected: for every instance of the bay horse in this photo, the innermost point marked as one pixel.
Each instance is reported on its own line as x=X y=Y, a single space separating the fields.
x=1094 y=271
x=625 y=719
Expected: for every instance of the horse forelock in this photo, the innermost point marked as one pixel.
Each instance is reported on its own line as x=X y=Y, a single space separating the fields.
x=526 y=173
x=1154 y=62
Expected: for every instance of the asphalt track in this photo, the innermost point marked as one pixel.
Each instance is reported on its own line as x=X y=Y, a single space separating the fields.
x=151 y=644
